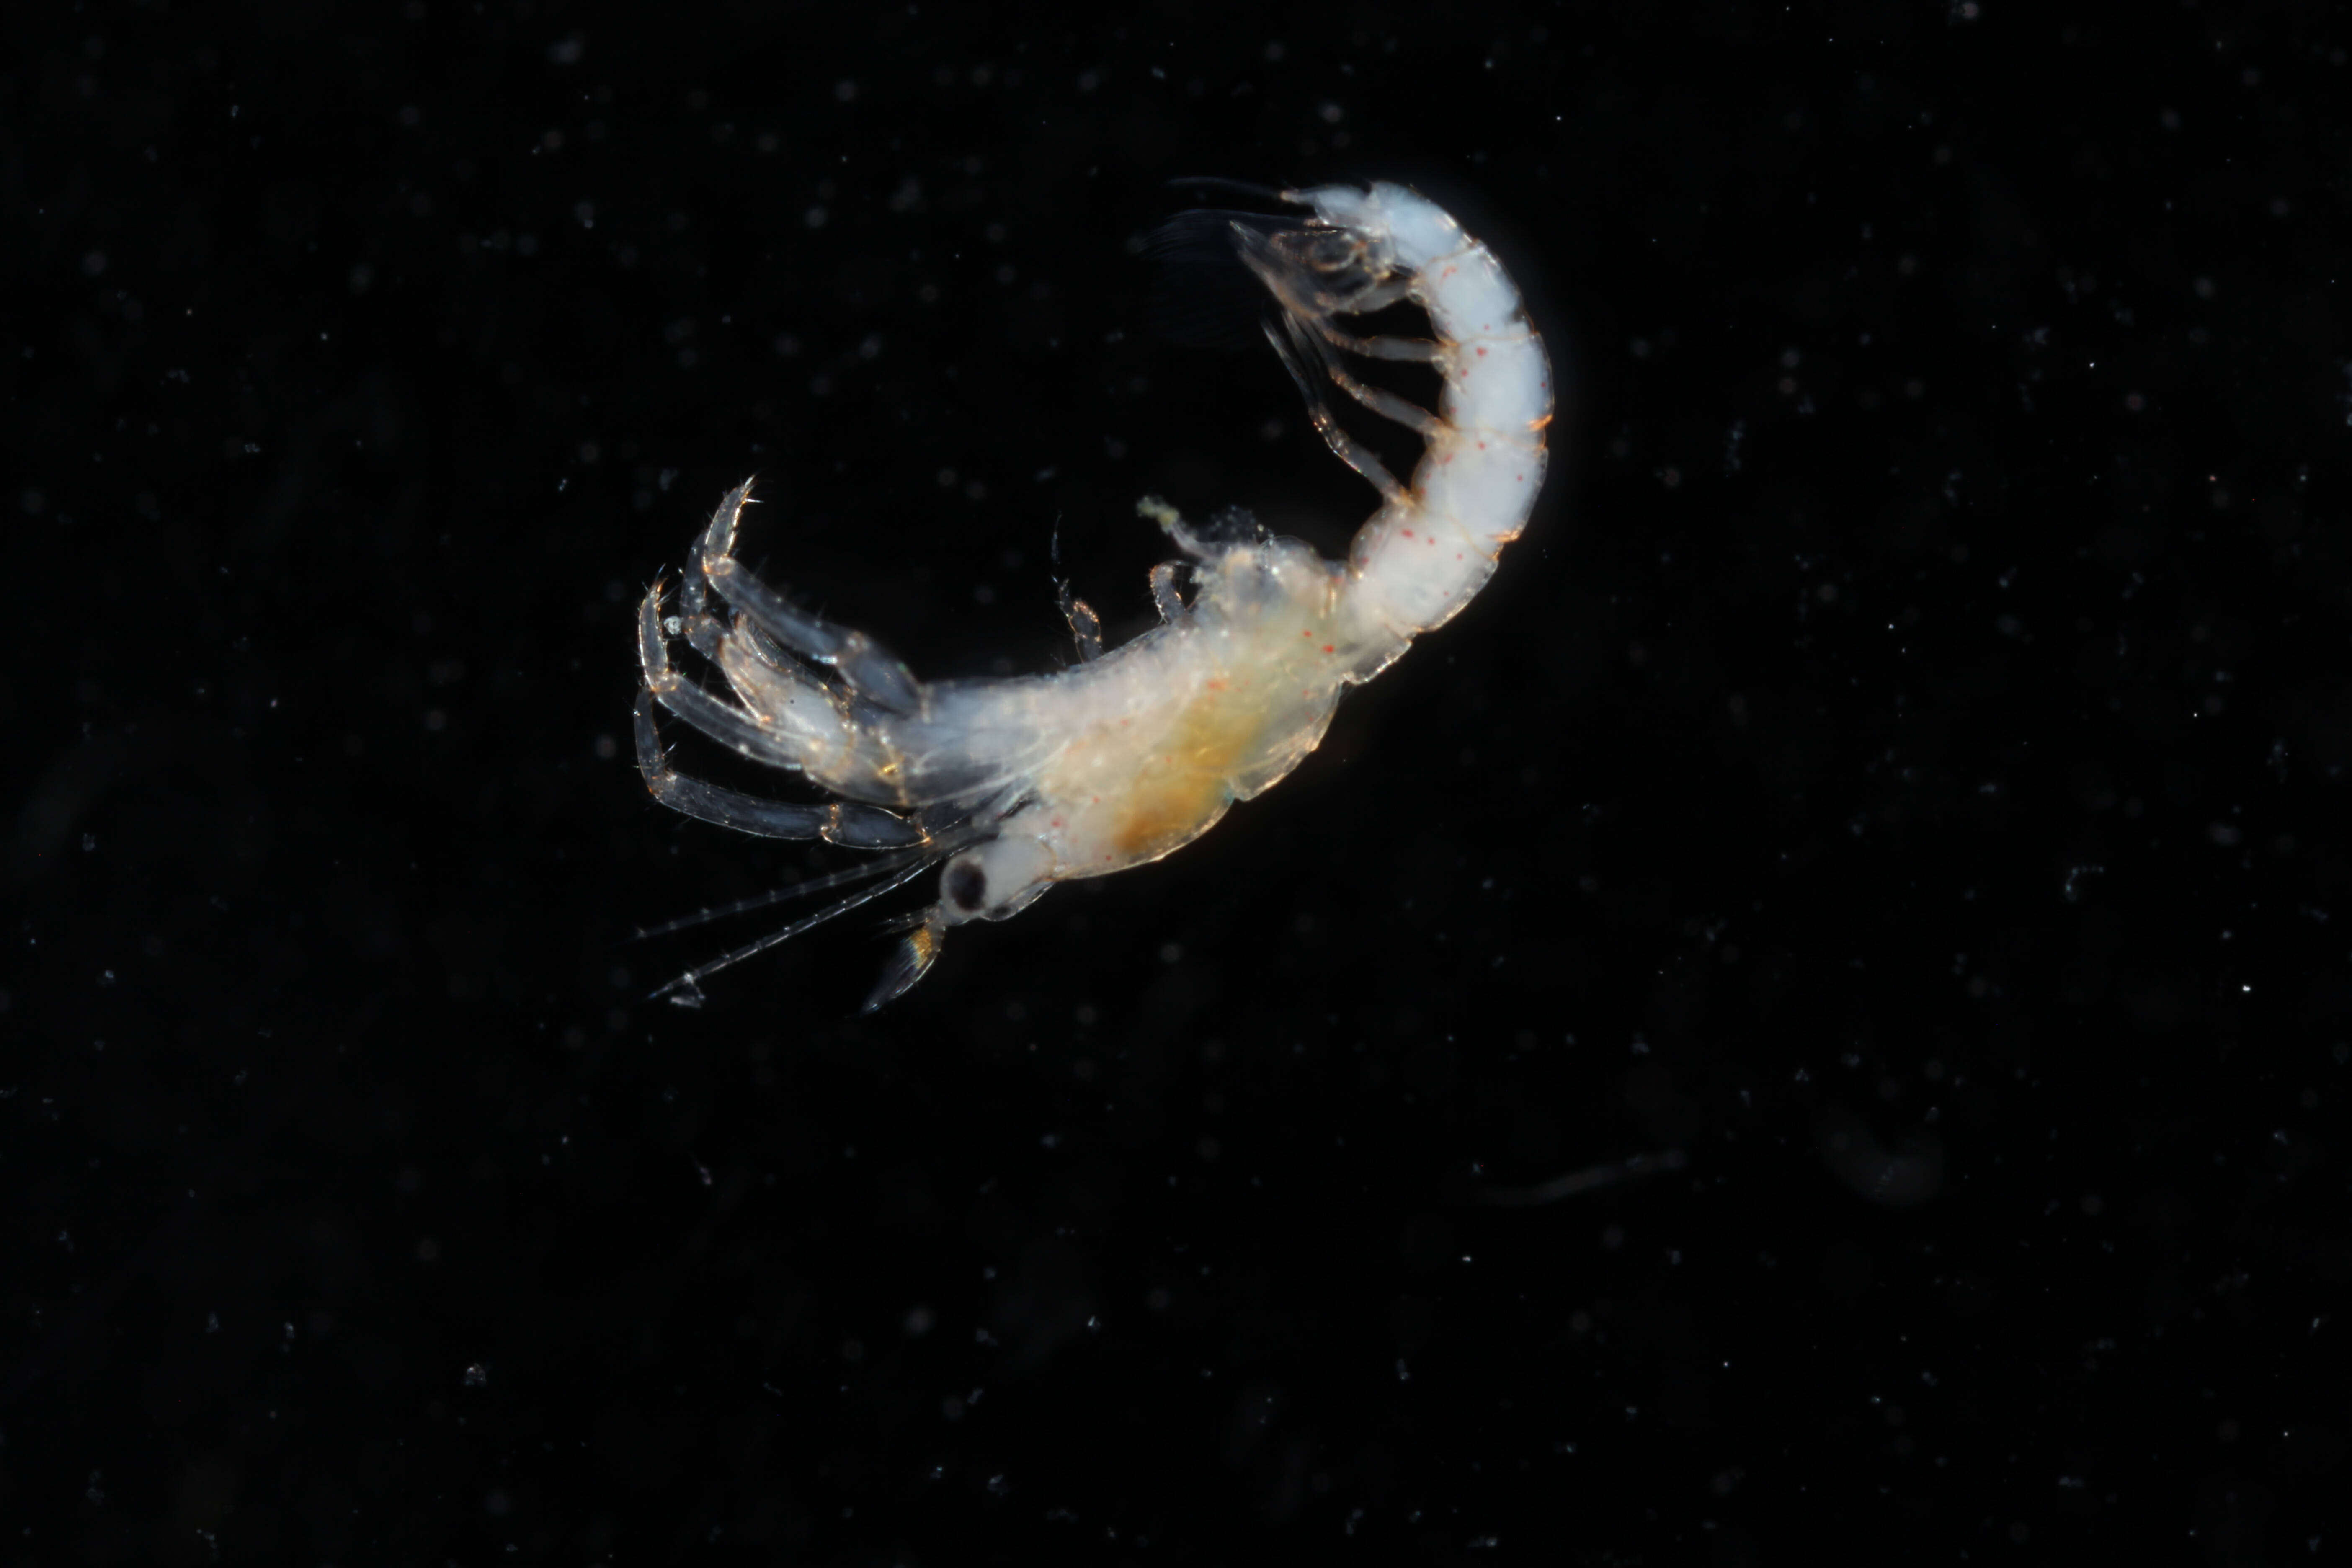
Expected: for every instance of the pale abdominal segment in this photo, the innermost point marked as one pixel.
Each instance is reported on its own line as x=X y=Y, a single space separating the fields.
x=1135 y=751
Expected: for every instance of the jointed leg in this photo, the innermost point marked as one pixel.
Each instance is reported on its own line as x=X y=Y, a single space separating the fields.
x=665 y=683
x=852 y=825
x=1402 y=350
x=1086 y=626
x=1344 y=447
x=1164 y=594
x=867 y=668
x=1379 y=297
x=1387 y=404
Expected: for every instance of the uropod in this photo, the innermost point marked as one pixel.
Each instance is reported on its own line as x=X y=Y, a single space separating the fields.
x=1134 y=751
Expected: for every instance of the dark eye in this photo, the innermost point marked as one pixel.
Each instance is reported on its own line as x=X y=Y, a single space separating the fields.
x=967 y=885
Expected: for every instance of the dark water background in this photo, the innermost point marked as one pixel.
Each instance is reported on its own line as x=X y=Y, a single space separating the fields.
x=1899 y=776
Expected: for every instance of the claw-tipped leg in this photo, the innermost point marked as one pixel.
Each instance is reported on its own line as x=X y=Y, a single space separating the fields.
x=865 y=665
x=1166 y=598
x=1295 y=346
x=1086 y=626
x=846 y=823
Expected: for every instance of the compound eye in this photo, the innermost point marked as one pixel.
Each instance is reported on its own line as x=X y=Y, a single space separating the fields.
x=967 y=886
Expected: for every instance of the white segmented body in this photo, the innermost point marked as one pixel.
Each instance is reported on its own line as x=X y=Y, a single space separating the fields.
x=1137 y=750
x=1425 y=554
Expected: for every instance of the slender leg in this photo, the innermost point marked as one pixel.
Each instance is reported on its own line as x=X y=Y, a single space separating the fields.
x=869 y=668
x=1404 y=351
x=850 y=825
x=702 y=635
x=1379 y=297
x=1164 y=594
x=1387 y=404
x=1086 y=626
x=700 y=628
x=761 y=644
x=729 y=727
x=1344 y=447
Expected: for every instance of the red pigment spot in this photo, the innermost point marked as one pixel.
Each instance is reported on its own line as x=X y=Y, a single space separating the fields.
x=1482 y=353
x=1482 y=445
x=1327 y=648
x=1408 y=534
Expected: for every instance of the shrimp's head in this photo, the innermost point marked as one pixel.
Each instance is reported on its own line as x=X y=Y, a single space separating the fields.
x=990 y=881
x=995 y=880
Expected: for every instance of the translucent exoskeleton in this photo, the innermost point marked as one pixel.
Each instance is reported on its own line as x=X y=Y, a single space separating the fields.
x=1135 y=751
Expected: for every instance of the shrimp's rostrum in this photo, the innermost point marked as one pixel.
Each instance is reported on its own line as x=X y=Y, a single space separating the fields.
x=1137 y=750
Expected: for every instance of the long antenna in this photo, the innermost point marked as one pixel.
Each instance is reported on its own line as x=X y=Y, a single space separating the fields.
x=1238 y=187
x=882 y=865
x=686 y=991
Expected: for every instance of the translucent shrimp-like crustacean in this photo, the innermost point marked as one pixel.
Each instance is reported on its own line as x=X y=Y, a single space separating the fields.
x=1137 y=750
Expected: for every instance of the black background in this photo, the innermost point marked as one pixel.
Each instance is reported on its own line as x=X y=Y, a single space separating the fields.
x=1900 y=773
